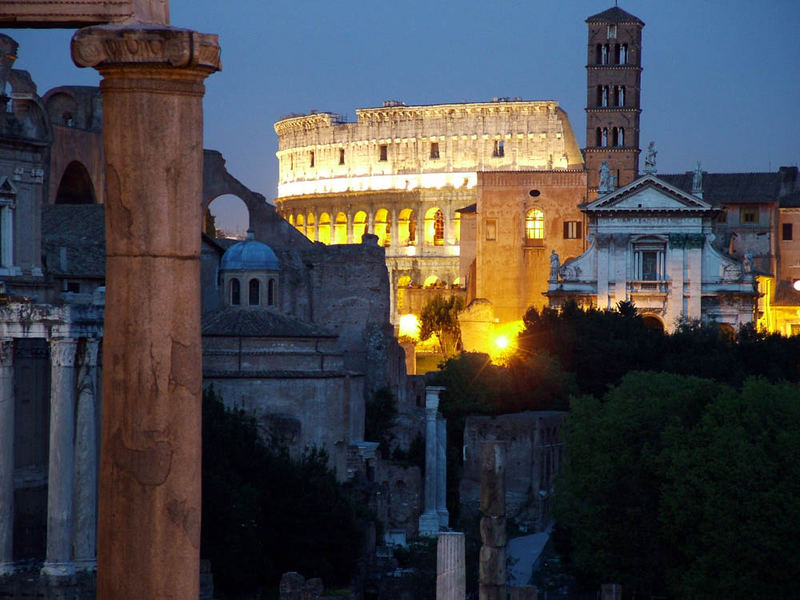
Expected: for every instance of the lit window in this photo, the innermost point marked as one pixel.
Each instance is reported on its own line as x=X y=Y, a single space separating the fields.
x=499 y=149
x=384 y=153
x=786 y=232
x=572 y=230
x=434 y=149
x=534 y=226
x=341 y=156
x=748 y=216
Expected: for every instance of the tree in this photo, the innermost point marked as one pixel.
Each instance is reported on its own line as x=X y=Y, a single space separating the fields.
x=679 y=485
x=440 y=316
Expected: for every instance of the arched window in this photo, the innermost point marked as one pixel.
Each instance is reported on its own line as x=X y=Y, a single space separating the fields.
x=598 y=54
x=255 y=290
x=616 y=54
x=359 y=226
x=383 y=228
x=236 y=293
x=300 y=223
x=434 y=227
x=614 y=137
x=431 y=281
x=534 y=227
x=621 y=95
x=621 y=138
x=604 y=55
x=605 y=138
x=623 y=54
x=604 y=99
x=599 y=141
x=75 y=186
x=311 y=230
x=407 y=227
x=340 y=229
x=325 y=228
x=271 y=292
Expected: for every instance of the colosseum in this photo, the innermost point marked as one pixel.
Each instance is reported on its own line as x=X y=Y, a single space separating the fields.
x=407 y=173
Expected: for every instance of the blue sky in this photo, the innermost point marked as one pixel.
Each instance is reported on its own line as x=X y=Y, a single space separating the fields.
x=721 y=80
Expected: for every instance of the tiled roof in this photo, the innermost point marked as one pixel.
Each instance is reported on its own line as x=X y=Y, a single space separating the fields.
x=614 y=15
x=732 y=188
x=258 y=322
x=74 y=240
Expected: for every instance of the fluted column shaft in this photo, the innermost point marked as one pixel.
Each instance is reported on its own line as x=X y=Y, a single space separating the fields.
x=58 y=560
x=429 y=520
x=6 y=457
x=451 y=582
x=441 y=472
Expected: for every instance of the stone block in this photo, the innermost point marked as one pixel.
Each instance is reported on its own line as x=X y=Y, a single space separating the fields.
x=493 y=489
x=493 y=531
x=492 y=567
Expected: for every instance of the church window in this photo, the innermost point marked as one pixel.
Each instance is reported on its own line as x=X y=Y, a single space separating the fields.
x=384 y=153
x=612 y=31
x=623 y=54
x=499 y=149
x=786 y=232
x=311 y=159
x=599 y=141
x=748 y=216
x=341 y=156
x=572 y=230
x=648 y=260
x=534 y=227
x=434 y=149
x=621 y=95
x=271 y=292
x=604 y=55
x=605 y=138
x=621 y=139
x=236 y=299
x=614 y=137
x=598 y=53
x=253 y=299
x=604 y=98
x=616 y=54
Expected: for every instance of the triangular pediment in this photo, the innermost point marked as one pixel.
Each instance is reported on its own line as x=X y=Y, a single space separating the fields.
x=6 y=187
x=649 y=194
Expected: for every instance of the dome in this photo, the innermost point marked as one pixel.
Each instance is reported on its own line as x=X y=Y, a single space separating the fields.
x=249 y=255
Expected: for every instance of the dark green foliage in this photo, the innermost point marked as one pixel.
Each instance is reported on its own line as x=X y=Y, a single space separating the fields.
x=679 y=485
x=265 y=514
x=381 y=413
x=414 y=456
x=440 y=316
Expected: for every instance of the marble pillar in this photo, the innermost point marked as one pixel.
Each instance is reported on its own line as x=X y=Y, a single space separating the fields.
x=451 y=575
x=148 y=538
x=492 y=566
x=85 y=506
x=6 y=457
x=441 y=472
x=58 y=560
x=429 y=520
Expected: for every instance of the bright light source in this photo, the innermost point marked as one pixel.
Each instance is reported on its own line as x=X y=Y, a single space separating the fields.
x=409 y=326
x=501 y=342
x=796 y=284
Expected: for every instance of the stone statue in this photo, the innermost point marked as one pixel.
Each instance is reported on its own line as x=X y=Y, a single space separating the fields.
x=555 y=264
x=650 y=158
x=605 y=179
x=747 y=262
x=697 y=181
x=612 y=182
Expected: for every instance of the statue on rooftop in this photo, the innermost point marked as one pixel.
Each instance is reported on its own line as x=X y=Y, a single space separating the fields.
x=697 y=181
x=650 y=158
x=555 y=264
x=605 y=179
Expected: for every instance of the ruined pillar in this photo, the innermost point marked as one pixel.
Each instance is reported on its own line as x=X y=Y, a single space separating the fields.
x=429 y=520
x=149 y=503
x=85 y=533
x=492 y=567
x=441 y=472
x=58 y=560
x=6 y=457
x=451 y=582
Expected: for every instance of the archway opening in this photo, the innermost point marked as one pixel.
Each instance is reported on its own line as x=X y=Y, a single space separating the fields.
x=227 y=216
x=434 y=227
x=75 y=186
x=300 y=223
x=383 y=228
x=359 y=226
x=406 y=227
x=431 y=281
x=340 y=229
x=325 y=228
x=653 y=322
x=311 y=228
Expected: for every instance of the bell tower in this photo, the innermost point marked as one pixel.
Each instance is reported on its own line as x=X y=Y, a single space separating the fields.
x=613 y=84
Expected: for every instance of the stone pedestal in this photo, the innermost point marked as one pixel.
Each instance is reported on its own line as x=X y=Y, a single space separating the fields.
x=429 y=521
x=149 y=502
x=6 y=457
x=58 y=561
x=450 y=570
x=492 y=565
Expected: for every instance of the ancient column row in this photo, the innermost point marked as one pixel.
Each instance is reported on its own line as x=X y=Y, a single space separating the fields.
x=435 y=515
x=72 y=461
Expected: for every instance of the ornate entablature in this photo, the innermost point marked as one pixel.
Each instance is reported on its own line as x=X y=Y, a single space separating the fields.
x=398 y=147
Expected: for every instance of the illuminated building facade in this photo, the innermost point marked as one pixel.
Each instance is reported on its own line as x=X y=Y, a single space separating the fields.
x=404 y=173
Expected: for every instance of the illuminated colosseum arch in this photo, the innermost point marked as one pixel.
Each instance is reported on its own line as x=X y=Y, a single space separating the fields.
x=311 y=228
x=434 y=227
x=383 y=228
x=324 y=229
x=300 y=223
x=75 y=186
x=431 y=281
x=359 y=226
x=406 y=227
x=340 y=229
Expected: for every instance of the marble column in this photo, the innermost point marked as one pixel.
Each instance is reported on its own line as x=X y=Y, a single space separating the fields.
x=6 y=457
x=441 y=472
x=451 y=575
x=429 y=520
x=492 y=567
x=85 y=534
x=58 y=560
x=148 y=538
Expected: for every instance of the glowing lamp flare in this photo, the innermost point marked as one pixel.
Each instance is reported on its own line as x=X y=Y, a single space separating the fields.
x=501 y=342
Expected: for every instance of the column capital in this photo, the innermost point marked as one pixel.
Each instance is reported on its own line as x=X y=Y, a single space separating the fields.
x=90 y=351
x=146 y=45
x=62 y=352
x=432 y=398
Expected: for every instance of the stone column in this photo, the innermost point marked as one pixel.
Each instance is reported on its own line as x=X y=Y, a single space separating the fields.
x=148 y=538
x=85 y=534
x=6 y=457
x=394 y=243
x=429 y=520
x=58 y=561
x=492 y=568
x=441 y=472
x=451 y=582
